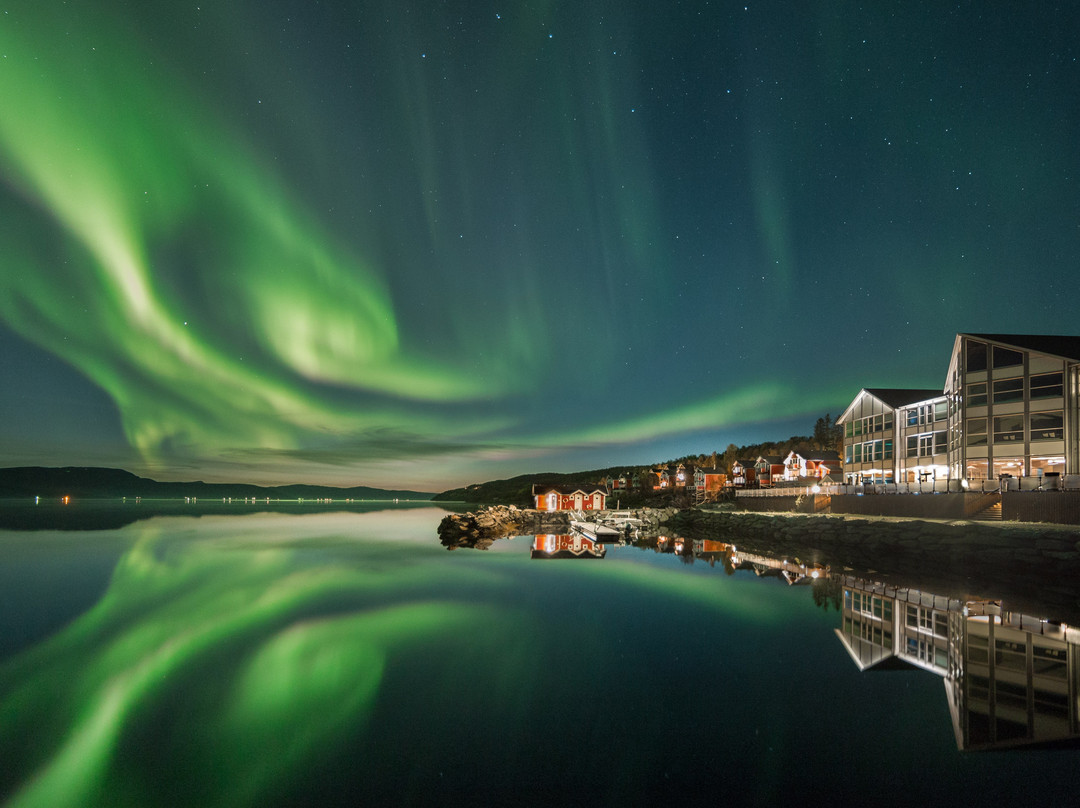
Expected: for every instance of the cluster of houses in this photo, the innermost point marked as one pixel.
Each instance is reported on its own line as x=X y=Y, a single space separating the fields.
x=1009 y=411
x=702 y=483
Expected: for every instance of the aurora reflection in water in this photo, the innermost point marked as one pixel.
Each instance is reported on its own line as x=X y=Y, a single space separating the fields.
x=348 y=658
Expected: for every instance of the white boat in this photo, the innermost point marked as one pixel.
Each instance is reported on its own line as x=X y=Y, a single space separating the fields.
x=621 y=520
x=596 y=531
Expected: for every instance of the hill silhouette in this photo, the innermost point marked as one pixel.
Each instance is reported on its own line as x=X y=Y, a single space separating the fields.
x=87 y=482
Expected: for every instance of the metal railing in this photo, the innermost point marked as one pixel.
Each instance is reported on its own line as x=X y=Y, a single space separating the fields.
x=1067 y=482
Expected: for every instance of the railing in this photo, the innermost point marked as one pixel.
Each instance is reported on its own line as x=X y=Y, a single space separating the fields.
x=790 y=491
x=1067 y=482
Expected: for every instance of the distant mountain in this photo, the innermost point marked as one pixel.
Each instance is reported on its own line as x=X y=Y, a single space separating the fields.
x=97 y=483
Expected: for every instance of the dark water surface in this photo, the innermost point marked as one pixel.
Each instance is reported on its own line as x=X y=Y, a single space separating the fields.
x=347 y=658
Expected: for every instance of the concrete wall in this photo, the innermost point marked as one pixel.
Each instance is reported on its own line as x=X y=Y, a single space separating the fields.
x=793 y=504
x=1060 y=507
x=1057 y=507
x=926 y=506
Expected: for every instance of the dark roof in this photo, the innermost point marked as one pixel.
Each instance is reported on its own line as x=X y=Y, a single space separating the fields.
x=821 y=457
x=1063 y=346
x=569 y=489
x=773 y=459
x=704 y=470
x=900 y=397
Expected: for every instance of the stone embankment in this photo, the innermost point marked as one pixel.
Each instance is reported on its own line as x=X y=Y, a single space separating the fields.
x=480 y=528
x=1025 y=543
x=1040 y=562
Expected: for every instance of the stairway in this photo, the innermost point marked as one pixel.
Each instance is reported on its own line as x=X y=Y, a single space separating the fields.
x=991 y=513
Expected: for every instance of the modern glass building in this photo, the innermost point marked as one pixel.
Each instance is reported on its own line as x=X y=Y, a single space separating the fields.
x=1010 y=408
x=1013 y=404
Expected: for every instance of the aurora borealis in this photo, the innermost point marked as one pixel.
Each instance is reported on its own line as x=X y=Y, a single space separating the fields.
x=413 y=244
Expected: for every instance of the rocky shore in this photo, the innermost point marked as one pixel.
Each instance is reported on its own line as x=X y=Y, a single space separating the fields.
x=480 y=528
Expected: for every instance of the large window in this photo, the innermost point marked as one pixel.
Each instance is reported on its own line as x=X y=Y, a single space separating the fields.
x=1041 y=465
x=976 y=432
x=1047 y=425
x=871 y=450
x=924 y=445
x=976 y=394
x=926 y=414
x=1006 y=357
x=1047 y=385
x=1008 y=390
x=976 y=356
x=871 y=423
x=1009 y=429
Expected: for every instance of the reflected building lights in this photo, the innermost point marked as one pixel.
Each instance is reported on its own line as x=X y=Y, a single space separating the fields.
x=1011 y=680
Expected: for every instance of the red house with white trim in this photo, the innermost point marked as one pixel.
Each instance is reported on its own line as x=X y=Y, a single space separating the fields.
x=569 y=497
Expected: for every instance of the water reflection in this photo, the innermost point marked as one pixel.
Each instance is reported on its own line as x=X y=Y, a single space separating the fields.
x=1011 y=679
x=259 y=642
x=567 y=545
x=349 y=659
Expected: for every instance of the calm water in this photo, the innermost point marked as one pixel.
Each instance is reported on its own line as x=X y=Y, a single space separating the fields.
x=347 y=658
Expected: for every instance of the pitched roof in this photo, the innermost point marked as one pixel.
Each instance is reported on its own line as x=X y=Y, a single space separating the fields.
x=1066 y=347
x=899 y=397
x=569 y=489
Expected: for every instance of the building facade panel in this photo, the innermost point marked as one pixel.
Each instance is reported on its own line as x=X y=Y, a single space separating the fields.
x=1013 y=410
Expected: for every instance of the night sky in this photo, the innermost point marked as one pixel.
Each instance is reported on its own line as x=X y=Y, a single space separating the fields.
x=422 y=244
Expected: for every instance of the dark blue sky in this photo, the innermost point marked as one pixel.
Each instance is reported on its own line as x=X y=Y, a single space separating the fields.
x=424 y=244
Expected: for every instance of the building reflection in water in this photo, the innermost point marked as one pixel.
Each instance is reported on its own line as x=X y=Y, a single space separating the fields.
x=566 y=545
x=1010 y=679
x=793 y=571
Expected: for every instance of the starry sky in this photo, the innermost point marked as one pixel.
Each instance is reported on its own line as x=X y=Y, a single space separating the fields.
x=419 y=244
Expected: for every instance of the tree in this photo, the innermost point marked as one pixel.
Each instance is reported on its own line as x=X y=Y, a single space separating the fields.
x=731 y=454
x=829 y=435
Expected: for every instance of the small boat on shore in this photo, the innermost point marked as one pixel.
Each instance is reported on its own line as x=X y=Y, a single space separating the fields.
x=596 y=531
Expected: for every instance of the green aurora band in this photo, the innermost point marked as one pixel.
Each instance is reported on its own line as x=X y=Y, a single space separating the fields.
x=168 y=259
x=125 y=163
